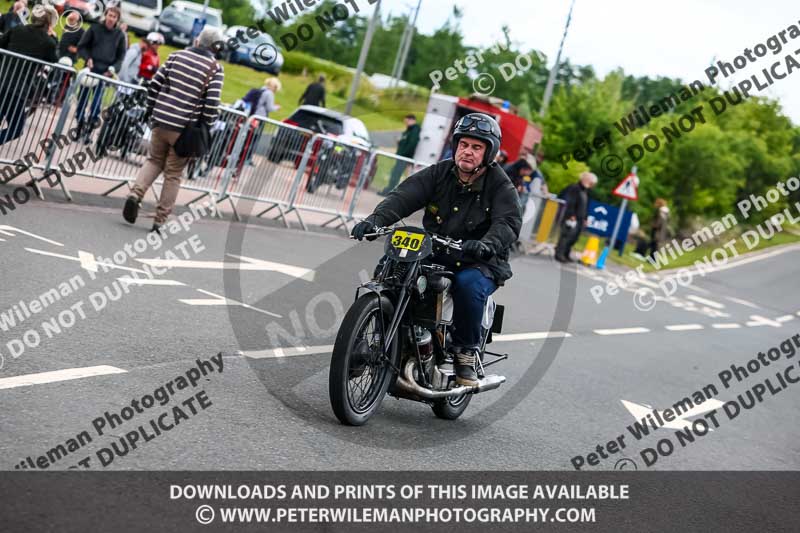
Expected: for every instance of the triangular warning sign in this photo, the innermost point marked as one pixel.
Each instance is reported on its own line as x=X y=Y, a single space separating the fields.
x=627 y=188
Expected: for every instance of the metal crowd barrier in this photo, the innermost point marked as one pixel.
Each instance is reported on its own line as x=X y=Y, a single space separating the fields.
x=268 y=164
x=105 y=137
x=31 y=92
x=377 y=180
x=328 y=177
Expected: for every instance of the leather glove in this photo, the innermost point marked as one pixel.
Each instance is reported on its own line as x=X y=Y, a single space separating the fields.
x=362 y=228
x=477 y=249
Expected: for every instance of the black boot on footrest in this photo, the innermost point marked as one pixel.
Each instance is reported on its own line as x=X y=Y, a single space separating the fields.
x=465 y=368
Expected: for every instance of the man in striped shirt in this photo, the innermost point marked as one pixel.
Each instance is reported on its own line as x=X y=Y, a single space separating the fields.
x=185 y=89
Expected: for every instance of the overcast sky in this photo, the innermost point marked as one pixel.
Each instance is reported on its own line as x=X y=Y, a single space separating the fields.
x=677 y=39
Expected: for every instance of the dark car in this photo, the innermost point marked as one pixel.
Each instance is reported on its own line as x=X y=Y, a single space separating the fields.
x=260 y=52
x=329 y=163
x=176 y=22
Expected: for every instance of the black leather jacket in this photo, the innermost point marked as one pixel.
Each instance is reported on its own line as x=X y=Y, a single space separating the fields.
x=488 y=211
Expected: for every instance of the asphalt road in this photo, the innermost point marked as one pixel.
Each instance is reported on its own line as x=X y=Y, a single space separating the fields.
x=573 y=362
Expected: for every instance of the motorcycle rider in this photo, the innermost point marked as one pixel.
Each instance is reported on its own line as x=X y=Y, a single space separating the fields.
x=469 y=198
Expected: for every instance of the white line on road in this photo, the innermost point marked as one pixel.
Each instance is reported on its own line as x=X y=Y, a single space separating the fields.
x=784 y=318
x=621 y=331
x=2 y=240
x=761 y=321
x=743 y=302
x=83 y=261
x=531 y=336
x=685 y=327
x=10 y=230
x=247 y=264
x=288 y=352
x=221 y=300
x=705 y=301
x=726 y=326
x=162 y=282
x=59 y=375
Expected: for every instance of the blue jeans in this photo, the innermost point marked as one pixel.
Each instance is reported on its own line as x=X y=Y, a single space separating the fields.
x=470 y=292
x=97 y=101
x=12 y=110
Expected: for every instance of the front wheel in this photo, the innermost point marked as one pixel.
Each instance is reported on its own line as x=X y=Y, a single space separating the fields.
x=451 y=408
x=359 y=378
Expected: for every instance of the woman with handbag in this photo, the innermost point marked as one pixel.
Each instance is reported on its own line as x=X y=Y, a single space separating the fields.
x=183 y=101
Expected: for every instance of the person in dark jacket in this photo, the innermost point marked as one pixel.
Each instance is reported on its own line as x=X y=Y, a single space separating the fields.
x=406 y=147
x=659 y=227
x=103 y=48
x=14 y=17
x=517 y=172
x=314 y=93
x=468 y=198
x=36 y=40
x=73 y=32
x=576 y=212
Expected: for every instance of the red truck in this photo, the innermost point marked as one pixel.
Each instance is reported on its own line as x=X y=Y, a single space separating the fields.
x=520 y=136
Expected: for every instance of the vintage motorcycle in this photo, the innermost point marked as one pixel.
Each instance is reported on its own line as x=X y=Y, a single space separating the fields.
x=394 y=338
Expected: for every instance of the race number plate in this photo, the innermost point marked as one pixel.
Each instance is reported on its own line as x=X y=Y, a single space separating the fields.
x=405 y=240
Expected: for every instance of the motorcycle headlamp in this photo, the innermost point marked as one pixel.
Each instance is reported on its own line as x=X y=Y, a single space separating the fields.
x=422 y=284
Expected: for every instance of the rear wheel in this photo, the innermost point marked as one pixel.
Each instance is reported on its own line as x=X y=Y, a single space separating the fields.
x=358 y=377
x=451 y=408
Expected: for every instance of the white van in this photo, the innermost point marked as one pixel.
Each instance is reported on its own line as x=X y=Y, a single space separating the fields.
x=141 y=16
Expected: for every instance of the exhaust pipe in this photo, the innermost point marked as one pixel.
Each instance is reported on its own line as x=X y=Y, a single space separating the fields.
x=408 y=384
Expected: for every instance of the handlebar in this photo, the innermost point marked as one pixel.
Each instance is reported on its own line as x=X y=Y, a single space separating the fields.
x=447 y=242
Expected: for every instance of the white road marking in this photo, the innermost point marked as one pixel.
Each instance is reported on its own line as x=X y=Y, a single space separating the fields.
x=2 y=240
x=726 y=326
x=621 y=331
x=163 y=282
x=59 y=375
x=743 y=302
x=246 y=264
x=531 y=336
x=685 y=327
x=9 y=231
x=288 y=352
x=757 y=320
x=221 y=300
x=83 y=261
x=705 y=301
x=784 y=318
x=750 y=258
x=640 y=411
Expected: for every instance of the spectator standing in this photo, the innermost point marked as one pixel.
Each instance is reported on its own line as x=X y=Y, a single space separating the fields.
x=186 y=89
x=576 y=210
x=266 y=101
x=518 y=172
x=138 y=62
x=15 y=17
x=73 y=33
x=103 y=48
x=407 y=147
x=659 y=226
x=315 y=93
x=37 y=40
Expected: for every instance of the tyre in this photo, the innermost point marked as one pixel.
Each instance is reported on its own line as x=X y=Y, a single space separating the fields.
x=358 y=379
x=451 y=408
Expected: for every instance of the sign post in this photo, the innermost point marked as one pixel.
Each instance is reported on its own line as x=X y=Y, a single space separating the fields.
x=627 y=190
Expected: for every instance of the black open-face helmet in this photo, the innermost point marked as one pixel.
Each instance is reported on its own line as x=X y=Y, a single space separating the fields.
x=482 y=127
